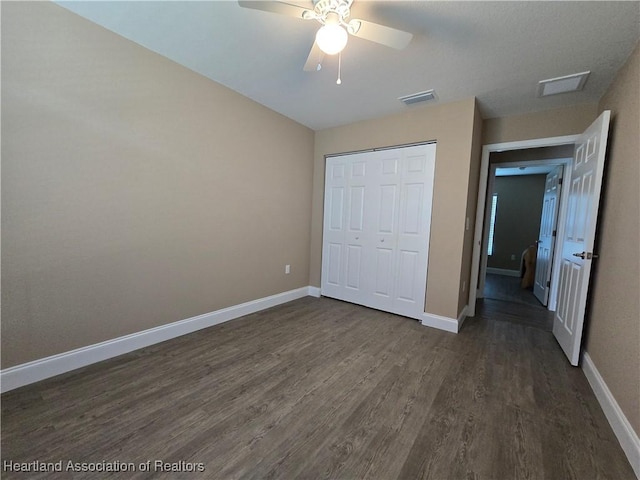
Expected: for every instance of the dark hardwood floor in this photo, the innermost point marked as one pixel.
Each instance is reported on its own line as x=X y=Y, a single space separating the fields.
x=516 y=304
x=503 y=287
x=319 y=388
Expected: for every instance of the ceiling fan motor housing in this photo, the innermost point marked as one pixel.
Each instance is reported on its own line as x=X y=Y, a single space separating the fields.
x=322 y=9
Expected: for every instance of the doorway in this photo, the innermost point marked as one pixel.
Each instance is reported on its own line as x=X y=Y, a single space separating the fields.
x=576 y=233
x=521 y=153
x=523 y=199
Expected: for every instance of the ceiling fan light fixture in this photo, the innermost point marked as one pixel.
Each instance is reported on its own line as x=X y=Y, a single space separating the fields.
x=332 y=39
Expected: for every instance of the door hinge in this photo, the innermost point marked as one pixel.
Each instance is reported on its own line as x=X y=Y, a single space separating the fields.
x=548 y=283
x=560 y=181
x=555 y=232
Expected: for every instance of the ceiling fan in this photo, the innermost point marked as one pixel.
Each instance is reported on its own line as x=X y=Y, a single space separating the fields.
x=332 y=37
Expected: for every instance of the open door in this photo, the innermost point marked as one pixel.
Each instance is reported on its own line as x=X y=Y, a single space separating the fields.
x=547 y=236
x=578 y=236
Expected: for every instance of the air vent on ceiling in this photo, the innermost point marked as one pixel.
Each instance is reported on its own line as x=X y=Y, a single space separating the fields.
x=568 y=83
x=418 y=97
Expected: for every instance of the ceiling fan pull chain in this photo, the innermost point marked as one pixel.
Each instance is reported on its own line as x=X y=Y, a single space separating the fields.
x=339 y=81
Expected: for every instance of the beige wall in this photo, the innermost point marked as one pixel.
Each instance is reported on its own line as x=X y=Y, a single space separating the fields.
x=613 y=328
x=550 y=123
x=517 y=224
x=135 y=192
x=452 y=126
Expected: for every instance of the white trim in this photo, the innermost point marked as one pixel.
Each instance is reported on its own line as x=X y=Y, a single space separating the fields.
x=623 y=430
x=476 y=256
x=484 y=253
x=444 y=323
x=534 y=163
x=482 y=193
x=533 y=143
x=463 y=316
x=504 y=271
x=31 y=372
x=314 y=292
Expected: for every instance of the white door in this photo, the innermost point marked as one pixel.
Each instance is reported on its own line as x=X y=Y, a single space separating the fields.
x=383 y=220
x=414 y=224
x=547 y=236
x=376 y=228
x=579 y=235
x=343 y=234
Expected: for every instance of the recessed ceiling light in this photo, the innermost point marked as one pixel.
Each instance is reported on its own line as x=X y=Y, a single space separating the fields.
x=418 y=97
x=568 y=83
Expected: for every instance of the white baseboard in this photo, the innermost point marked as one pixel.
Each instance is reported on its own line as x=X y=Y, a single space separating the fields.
x=463 y=316
x=314 y=292
x=503 y=271
x=31 y=372
x=444 y=323
x=623 y=430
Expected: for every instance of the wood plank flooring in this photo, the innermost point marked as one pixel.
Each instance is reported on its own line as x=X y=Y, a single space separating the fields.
x=319 y=388
x=503 y=287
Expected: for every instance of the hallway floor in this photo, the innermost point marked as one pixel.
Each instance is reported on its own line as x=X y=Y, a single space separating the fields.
x=503 y=287
x=515 y=304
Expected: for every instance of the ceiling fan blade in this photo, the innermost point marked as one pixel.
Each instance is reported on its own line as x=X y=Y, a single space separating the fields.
x=276 y=7
x=381 y=34
x=314 y=60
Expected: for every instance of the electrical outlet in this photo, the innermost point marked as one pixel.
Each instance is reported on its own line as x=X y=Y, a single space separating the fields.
x=464 y=285
x=287 y=269
x=513 y=256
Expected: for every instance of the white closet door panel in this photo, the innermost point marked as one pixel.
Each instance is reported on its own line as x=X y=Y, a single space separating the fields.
x=413 y=211
x=336 y=209
x=359 y=168
x=407 y=267
x=384 y=273
x=410 y=290
x=387 y=214
x=414 y=230
x=386 y=199
x=356 y=282
x=356 y=208
x=381 y=275
x=334 y=229
x=383 y=219
x=334 y=264
x=354 y=264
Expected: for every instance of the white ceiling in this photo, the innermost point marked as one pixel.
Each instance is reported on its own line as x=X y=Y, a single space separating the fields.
x=496 y=51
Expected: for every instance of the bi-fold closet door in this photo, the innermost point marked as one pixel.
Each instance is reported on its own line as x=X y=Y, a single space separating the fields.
x=377 y=218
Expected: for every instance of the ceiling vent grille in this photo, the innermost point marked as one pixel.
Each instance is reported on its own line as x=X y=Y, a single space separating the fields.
x=418 y=97
x=568 y=83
